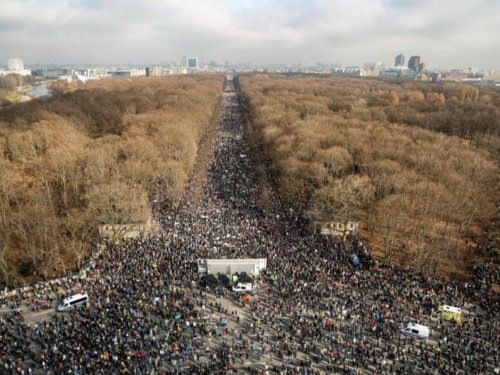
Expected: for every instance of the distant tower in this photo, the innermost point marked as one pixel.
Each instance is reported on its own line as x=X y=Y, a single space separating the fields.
x=378 y=66
x=414 y=63
x=400 y=60
x=368 y=66
x=15 y=64
x=422 y=67
x=192 y=62
x=184 y=61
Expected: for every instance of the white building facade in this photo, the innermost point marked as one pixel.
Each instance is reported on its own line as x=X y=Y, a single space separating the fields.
x=127 y=72
x=15 y=64
x=158 y=70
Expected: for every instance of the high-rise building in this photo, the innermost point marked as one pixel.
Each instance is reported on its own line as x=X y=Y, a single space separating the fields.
x=422 y=67
x=15 y=64
x=436 y=76
x=192 y=62
x=184 y=61
x=378 y=66
x=368 y=66
x=414 y=63
x=400 y=60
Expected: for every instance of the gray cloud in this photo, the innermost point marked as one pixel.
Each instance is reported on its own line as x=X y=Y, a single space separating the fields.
x=447 y=33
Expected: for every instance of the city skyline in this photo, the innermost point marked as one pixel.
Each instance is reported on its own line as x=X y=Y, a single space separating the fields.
x=286 y=31
x=190 y=64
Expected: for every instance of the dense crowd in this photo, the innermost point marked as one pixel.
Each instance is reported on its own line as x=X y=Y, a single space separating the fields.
x=315 y=312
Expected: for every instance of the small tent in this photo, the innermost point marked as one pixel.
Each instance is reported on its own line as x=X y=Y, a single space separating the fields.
x=224 y=280
x=209 y=281
x=212 y=281
x=245 y=278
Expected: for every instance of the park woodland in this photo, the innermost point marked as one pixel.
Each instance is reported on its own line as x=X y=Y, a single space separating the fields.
x=417 y=163
x=90 y=156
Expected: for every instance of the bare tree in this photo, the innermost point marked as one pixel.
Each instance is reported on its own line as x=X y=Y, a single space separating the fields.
x=4 y=256
x=336 y=160
x=118 y=205
x=37 y=229
x=344 y=196
x=172 y=180
x=80 y=233
x=390 y=223
x=62 y=164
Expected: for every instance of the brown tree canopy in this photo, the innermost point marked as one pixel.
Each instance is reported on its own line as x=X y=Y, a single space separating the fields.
x=83 y=156
x=378 y=148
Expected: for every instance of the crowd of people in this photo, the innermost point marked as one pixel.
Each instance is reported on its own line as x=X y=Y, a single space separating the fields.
x=315 y=311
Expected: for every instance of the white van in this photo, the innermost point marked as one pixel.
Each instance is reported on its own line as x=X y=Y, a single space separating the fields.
x=74 y=300
x=416 y=330
x=242 y=287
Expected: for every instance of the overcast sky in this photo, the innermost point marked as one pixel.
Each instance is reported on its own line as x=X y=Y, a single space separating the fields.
x=445 y=33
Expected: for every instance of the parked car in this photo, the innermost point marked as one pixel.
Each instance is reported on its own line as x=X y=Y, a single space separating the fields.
x=242 y=287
